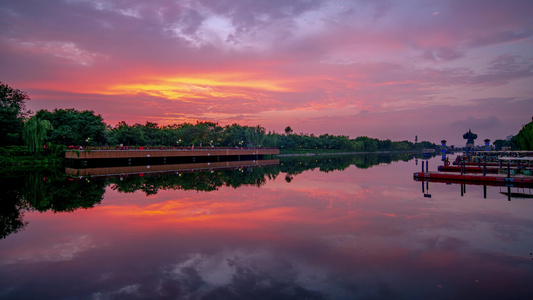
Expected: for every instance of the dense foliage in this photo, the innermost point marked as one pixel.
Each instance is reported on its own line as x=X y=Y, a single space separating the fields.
x=522 y=141
x=209 y=133
x=35 y=132
x=73 y=127
x=524 y=138
x=12 y=114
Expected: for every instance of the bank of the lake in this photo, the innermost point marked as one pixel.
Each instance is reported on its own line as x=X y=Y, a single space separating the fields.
x=312 y=152
x=19 y=157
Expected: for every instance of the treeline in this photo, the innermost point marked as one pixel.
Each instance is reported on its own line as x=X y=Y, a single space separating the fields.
x=85 y=128
x=72 y=127
x=523 y=140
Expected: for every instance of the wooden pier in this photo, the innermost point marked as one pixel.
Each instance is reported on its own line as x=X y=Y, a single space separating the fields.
x=169 y=153
x=501 y=176
x=479 y=179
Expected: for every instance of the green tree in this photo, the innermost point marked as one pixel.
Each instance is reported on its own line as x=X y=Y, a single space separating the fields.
x=12 y=113
x=34 y=133
x=255 y=135
x=288 y=130
x=122 y=133
x=73 y=127
x=524 y=139
x=271 y=140
x=369 y=144
x=233 y=135
x=499 y=144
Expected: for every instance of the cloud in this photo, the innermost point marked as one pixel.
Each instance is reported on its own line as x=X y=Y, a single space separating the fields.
x=472 y=122
x=61 y=251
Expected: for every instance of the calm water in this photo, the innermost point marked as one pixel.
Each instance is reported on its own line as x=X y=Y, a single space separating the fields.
x=319 y=228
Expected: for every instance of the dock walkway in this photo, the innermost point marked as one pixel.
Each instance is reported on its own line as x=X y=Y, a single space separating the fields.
x=154 y=153
x=493 y=179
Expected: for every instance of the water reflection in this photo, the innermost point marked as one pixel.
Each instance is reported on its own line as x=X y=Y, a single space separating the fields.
x=42 y=191
x=341 y=233
x=84 y=188
x=510 y=191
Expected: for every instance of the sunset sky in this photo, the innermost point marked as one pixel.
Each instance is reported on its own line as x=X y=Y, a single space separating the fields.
x=379 y=68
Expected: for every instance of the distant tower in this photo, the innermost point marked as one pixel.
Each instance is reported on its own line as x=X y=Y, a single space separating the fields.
x=470 y=137
x=416 y=139
x=487 y=144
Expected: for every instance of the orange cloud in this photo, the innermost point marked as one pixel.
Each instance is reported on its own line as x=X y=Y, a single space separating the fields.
x=221 y=85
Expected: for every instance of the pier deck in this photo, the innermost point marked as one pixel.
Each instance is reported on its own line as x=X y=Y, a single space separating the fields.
x=492 y=179
x=154 y=153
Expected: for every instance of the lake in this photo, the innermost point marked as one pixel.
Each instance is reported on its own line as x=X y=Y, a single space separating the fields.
x=338 y=227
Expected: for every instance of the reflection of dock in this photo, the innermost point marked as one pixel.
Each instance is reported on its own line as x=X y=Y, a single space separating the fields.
x=188 y=167
x=522 y=195
x=509 y=186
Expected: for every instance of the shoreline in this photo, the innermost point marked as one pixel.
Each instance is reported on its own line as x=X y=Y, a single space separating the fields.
x=347 y=153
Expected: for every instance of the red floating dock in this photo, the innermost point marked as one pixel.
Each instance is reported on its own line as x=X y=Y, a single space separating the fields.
x=493 y=179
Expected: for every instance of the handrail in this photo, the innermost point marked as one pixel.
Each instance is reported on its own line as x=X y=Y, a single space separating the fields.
x=152 y=148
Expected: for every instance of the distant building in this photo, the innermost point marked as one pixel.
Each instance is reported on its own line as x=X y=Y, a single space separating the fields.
x=470 y=137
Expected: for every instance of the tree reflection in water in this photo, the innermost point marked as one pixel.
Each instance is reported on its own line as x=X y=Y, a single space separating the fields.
x=53 y=190
x=43 y=190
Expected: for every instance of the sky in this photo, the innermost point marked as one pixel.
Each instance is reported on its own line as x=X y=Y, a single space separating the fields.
x=379 y=68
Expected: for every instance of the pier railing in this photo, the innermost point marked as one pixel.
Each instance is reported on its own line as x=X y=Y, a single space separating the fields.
x=152 y=148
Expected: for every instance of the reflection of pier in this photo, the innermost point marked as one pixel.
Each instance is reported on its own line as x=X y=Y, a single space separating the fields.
x=510 y=190
x=188 y=167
